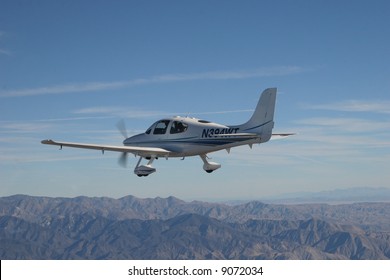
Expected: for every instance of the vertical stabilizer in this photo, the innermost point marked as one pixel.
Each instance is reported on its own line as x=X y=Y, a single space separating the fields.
x=262 y=120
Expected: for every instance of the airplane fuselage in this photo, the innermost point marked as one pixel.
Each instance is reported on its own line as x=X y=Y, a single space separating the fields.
x=185 y=136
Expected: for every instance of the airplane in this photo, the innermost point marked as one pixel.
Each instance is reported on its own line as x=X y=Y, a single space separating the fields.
x=181 y=137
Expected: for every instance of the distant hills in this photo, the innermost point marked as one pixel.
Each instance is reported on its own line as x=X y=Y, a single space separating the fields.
x=170 y=228
x=363 y=194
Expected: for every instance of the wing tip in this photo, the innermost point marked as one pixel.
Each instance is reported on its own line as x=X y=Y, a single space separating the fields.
x=47 y=141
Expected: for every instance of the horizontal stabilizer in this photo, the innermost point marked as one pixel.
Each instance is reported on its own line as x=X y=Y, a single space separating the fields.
x=276 y=136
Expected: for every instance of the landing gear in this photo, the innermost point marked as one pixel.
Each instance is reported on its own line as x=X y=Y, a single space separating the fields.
x=209 y=166
x=144 y=170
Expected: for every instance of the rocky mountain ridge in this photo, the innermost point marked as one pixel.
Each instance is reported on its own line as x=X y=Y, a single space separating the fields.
x=169 y=228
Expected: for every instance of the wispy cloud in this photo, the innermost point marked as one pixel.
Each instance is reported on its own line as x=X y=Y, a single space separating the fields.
x=28 y=158
x=26 y=127
x=217 y=112
x=378 y=106
x=121 y=112
x=347 y=132
x=131 y=113
x=327 y=140
x=357 y=125
x=101 y=86
x=4 y=51
x=62 y=89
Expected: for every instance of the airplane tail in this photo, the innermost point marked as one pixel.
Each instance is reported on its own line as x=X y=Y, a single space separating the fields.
x=262 y=120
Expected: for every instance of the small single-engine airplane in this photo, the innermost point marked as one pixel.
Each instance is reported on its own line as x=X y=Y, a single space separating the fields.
x=184 y=137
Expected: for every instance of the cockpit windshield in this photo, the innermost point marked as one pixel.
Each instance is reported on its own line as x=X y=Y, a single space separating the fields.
x=150 y=129
x=161 y=127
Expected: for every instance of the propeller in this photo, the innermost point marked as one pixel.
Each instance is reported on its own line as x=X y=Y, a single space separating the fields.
x=122 y=128
x=122 y=161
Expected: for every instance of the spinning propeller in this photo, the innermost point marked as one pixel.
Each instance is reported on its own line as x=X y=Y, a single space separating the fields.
x=122 y=161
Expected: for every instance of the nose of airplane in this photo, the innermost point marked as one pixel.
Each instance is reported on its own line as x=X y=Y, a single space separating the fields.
x=133 y=139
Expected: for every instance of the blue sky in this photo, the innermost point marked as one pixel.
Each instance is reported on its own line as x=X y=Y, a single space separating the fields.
x=70 y=70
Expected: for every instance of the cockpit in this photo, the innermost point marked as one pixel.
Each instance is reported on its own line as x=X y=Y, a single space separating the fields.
x=162 y=126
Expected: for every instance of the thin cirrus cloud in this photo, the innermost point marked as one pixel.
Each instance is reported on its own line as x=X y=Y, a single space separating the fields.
x=100 y=86
x=127 y=112
x=346 y=124
x=382 y=107
x=115 y=111
x=4 y=51
x=26 y=127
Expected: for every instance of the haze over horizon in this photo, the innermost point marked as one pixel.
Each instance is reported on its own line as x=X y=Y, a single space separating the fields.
x=71 y=70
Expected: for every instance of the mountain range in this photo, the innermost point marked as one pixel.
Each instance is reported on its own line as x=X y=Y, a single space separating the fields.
x=170 y=228
x=337 y=196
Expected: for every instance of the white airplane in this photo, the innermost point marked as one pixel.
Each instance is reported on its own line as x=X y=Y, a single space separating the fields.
x=184 y=137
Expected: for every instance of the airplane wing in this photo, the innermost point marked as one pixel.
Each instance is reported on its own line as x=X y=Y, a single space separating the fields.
x=143 y=151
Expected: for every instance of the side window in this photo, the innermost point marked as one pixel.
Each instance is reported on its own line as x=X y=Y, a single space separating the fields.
x=161 y=127
x=178 y=127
